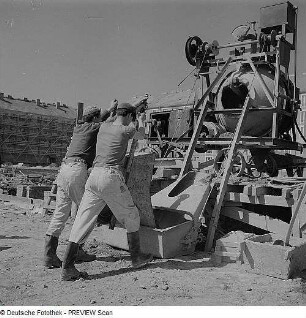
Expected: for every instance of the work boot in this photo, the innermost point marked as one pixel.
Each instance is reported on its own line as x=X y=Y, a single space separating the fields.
x=138 y=259
x=83 y=256
x=69 y=272
x=51 y=260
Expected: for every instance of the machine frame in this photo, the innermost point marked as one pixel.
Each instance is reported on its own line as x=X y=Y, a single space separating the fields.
x=272 y=48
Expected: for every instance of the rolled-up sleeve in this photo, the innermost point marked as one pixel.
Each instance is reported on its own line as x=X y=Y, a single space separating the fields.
x=104 y=114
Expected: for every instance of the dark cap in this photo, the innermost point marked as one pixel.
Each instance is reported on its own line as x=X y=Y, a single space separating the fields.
x=127 y=106
x=91 y=110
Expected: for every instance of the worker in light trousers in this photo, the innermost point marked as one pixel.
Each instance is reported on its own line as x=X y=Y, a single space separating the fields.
x=71 y=180
x=106 y=185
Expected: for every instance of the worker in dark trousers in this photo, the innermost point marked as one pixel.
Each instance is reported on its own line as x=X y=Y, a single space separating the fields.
x=72 y=178
x=106 y=185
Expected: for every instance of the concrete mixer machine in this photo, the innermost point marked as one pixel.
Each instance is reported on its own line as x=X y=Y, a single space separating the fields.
x=248 y=78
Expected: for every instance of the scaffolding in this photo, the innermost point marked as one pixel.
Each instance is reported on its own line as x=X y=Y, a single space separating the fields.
x=34 y=137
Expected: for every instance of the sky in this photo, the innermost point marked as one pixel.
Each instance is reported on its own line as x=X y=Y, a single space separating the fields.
x=93 y=51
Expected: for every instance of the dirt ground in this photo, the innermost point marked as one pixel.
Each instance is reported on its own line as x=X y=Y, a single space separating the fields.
x=188 y=281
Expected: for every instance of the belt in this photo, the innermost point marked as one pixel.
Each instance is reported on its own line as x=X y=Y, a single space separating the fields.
x=101 y=165
x=110 y=168
x=74 y=159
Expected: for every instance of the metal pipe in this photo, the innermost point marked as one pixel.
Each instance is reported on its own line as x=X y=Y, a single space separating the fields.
x=261 y=81
x=295 y=53
x=237 y=44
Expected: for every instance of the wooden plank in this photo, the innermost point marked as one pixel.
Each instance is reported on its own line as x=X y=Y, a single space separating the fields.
x=130 y=158
x=227 y=172
x=237 y=188
x=263 y=199
x=193 y=141
x=261 y=190
x=276 y=92
x=261 y=221
x=168 y=162
x=139 y=182
x=248 y=189
x=231 y=203
x=264 y=190
x=144 y=206
x=79 y=116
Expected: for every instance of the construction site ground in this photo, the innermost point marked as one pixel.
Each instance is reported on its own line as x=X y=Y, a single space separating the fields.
x=184 y=281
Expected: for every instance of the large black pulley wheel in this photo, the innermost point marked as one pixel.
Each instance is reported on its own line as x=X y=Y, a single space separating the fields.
x=191 y=48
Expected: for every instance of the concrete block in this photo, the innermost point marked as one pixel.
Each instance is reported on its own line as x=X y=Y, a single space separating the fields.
x=233 y=239
x=18 y=201
x=161 y=243
x=263 y=257
x=169 y=239
x=224 y=257
x=228 y=247
x=21 y=190
x=216 y=259
x=48 y=195
x=37 y=192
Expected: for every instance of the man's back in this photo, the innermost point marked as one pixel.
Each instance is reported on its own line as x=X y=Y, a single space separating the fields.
x=112 y=142
x=83 y=142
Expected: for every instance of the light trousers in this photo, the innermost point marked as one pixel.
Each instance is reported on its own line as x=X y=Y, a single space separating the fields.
x=71 y=182
x=104 y=186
